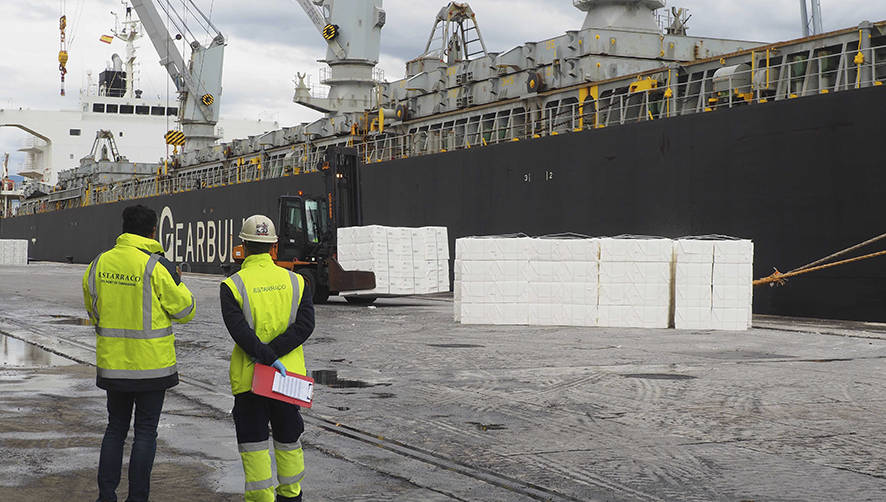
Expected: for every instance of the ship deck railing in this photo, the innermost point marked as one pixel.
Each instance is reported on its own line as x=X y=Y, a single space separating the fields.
x=751 y=78
x=670 y=94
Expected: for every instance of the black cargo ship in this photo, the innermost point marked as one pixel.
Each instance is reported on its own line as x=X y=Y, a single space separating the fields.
x=799 y=177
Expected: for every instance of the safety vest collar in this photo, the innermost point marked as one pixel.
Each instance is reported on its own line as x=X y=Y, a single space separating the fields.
x=258 y=260
x=139 y=242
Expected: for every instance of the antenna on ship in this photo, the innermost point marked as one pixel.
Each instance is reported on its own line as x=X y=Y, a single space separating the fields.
x=128 y=31
x=814 y=20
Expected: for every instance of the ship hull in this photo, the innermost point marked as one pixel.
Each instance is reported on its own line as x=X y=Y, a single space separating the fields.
x=799 y=177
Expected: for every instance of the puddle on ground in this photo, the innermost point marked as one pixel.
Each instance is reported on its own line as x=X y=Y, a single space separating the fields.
x=660 y=376
x=330 y=378
x=382 y=395
x=488 y=427
x=14 y=352
x=70 y=320
x=456 y=345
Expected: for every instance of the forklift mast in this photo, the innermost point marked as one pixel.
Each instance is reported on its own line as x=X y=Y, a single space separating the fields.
x=308 y=225
x=342 y=173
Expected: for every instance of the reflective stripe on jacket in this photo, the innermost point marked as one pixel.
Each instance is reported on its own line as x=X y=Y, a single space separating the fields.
x=269 y=297
x=131 y=298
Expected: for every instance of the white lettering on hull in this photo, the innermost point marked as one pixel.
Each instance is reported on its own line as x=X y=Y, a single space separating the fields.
x=213 y=242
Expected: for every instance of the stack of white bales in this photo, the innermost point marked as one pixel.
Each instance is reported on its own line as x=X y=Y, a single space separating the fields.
x=430 y=259
x=13 y=252
x=562 y=281
x=635 y=282
x=491 y=284
x=713 y=284
x=604 y=282
x=405 y=261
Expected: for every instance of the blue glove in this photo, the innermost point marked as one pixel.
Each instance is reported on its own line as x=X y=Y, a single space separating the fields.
x=277 y=365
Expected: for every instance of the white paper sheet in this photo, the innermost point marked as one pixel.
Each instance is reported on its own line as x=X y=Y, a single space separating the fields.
x=295 y=388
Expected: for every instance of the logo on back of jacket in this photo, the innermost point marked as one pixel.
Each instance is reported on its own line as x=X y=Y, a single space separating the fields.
x=268 y=289
x=119 y=279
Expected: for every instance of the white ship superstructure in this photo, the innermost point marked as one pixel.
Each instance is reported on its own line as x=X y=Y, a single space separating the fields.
x=62 y=137
x=59 y=138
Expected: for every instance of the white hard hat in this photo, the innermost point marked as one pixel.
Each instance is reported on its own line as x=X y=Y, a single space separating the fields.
x=259 y=228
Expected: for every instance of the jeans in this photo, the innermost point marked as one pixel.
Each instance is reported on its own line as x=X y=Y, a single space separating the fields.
x=147 y=415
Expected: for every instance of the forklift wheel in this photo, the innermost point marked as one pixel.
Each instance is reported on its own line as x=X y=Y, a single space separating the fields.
x=319 y=293
x=360 y=300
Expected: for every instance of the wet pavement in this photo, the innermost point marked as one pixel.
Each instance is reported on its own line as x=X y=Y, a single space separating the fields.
x=411 y=406
x=15 y=352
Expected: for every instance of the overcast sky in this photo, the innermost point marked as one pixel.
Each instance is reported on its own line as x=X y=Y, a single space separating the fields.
x=270 y=40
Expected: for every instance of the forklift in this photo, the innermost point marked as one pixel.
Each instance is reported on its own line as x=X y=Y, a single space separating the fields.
x=307 y=229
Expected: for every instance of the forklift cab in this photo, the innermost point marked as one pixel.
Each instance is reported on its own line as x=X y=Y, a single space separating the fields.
x=304 y=229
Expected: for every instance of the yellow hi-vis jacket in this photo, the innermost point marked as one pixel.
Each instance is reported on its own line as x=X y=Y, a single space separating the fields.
x=269 y=297
x=132 y=294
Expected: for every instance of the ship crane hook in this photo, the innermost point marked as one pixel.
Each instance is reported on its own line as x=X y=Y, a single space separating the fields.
x=62 y=51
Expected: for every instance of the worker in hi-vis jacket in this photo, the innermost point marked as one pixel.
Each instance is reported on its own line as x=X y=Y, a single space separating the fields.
x=132 y=294
x=269 y=315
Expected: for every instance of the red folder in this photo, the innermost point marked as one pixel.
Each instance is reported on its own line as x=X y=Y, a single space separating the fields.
x=263 y=383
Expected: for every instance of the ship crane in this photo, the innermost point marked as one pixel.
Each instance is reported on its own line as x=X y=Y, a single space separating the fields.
x=108 y=151
x=321 y=22
x=457 y=30
x=814 y=20
x=352 y=30
x=199 y=82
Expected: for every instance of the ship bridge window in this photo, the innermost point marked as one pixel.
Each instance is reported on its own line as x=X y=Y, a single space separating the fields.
x=111 y=109
x=98 y=107
x=126 y=109
x=158 y=111
x=142 y=110
x=74 y=132
x=172 y=111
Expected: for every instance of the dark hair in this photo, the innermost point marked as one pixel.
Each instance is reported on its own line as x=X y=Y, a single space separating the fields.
x=257 y=247
x=139 y=220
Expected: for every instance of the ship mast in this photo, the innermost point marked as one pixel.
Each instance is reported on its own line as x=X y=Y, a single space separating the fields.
x=129 y=33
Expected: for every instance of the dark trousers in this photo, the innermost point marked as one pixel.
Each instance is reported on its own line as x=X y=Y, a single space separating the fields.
x=252 y=413
x=147 y=415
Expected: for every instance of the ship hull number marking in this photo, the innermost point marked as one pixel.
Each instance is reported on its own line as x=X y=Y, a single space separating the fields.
x=548 y=176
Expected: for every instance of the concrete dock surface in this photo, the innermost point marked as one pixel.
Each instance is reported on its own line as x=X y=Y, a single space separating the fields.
x=411 y=406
